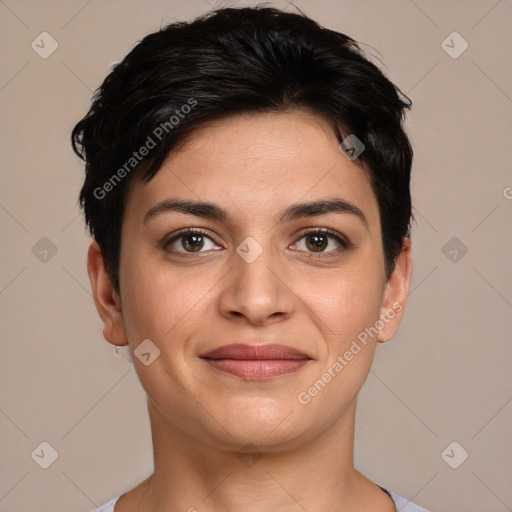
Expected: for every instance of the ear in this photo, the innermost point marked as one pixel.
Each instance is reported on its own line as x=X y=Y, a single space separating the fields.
x=396 y=292
x=106 y=299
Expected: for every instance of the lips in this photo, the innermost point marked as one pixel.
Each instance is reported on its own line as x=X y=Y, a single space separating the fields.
x=256 y=362
x=255 y=352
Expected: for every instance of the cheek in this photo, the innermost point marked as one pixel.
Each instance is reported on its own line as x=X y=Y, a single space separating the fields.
x=159 y=301
x=348 y=308
x=346 y=301
x=162 y=306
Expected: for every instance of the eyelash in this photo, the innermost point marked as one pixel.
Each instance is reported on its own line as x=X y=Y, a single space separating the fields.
x=344 y=244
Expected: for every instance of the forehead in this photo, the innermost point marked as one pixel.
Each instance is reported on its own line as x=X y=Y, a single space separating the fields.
x=254 y=164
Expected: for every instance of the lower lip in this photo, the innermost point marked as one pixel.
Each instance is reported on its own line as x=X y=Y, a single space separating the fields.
x=257 y=369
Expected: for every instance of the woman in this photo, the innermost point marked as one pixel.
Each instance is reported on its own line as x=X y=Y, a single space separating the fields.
x=247 y=189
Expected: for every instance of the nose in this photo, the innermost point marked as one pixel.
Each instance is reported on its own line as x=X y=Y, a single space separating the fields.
x=257 y=291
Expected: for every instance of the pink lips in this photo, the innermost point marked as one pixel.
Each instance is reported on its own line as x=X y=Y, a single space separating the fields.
x=256 y=362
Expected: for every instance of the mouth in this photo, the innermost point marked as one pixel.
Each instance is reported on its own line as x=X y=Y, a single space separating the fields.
x=256 y=362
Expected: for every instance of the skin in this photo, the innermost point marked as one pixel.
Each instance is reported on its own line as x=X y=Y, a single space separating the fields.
x=202 y=420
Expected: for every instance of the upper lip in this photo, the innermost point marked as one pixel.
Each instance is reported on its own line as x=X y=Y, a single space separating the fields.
x=254 y=352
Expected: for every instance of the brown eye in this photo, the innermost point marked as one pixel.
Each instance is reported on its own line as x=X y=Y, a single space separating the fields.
x=192 y=242
x=321 y=241
x=316 y=242
x=189 y=241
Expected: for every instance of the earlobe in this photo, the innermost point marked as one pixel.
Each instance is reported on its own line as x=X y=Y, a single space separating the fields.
x=395 y=295
x=106 y=299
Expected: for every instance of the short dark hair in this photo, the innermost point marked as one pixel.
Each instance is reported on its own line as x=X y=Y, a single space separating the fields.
x=232 y=61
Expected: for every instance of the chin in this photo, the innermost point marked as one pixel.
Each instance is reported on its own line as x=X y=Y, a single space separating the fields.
x=264 y=430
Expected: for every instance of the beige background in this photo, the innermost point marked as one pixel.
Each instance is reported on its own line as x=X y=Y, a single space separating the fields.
x=446 y=375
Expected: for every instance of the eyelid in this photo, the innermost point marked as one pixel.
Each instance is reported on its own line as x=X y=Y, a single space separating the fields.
x=344 y=244
x=185 y=231
x=343 y=241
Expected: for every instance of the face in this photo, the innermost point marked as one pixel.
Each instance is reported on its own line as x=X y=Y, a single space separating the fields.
x=261 y=265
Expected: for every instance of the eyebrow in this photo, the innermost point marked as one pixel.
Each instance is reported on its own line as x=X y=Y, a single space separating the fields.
x=293 y=212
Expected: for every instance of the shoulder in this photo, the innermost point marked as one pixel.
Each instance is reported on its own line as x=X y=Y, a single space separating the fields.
x=108 y=507
x=403 y=504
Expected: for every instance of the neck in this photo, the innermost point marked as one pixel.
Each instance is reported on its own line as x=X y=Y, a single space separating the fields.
x=316 y=474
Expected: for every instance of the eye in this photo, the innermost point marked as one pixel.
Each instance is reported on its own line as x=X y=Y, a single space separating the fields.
x=192 y=240
x=318 y=240
x=189 y=241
